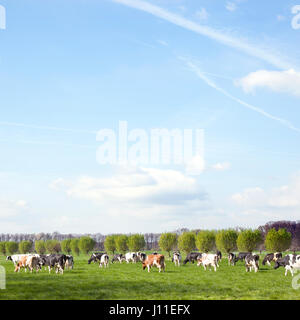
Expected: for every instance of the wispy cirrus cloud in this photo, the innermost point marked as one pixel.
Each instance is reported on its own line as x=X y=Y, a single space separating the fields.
x=43 y=127
x=218 y=35
x=193 y=67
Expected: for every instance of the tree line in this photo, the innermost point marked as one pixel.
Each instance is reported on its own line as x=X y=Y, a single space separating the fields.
x=205 y=241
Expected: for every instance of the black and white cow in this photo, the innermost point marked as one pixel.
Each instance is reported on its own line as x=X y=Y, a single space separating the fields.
x=131 y=257
x=242 y=255
x=290 y=262
x=55 y=261
x=141 y=256
x=272 y=257
x=231 y=259
x=192 y=257
x=69 y=262
x=118 y=257
x=176 y=258
x=219 y=257
x=95 y=257
x=104 y=260
x=252 y=262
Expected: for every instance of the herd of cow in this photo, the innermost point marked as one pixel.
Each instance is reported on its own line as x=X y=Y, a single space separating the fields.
x=60 y=262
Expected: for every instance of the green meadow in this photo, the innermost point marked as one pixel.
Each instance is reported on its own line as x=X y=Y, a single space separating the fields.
x=130 y=282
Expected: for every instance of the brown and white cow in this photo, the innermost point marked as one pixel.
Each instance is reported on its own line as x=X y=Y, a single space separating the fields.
x=21 y=263
x=208 y=260
x=30 y=262
x=157 y=260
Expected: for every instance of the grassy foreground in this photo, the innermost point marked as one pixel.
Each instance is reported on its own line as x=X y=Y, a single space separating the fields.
x=130 y=282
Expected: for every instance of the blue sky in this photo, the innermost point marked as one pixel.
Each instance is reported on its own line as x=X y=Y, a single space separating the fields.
x=70 y=68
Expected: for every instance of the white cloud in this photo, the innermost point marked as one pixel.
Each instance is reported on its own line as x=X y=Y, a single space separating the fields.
x=145 y=186
x=250 y=196
x=193 y=67
x=278 y=81
x=202 y=14
x=143 y=199
x=284 y=197
x=10 y=208
x=221 y=166
x=195 y=166
x=231 y=6
x=217 y=35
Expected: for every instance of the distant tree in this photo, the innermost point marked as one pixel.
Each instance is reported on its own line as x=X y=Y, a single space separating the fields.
x=136 y=242
x=2 y=247
x=226 y=240
x=25 y=246
x=187 y=242
x=278 y=241
x=110 y=243
x=40 y=247
x=121 y=243
x=86 y=244
x=206 y=241
x=53 y=246
x=168 y=242
x=66 y=246
x=74 y=245
x=248 y=240
x=11 y=247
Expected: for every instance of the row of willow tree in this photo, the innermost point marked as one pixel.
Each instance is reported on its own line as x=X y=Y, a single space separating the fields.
x=152 y=239
x=205 y=241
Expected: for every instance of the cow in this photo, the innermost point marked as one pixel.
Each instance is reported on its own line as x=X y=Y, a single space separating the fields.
x=21 y=263
x=219 y=257
x=290 y=262
x=32 y=263
x=95 y=257
x=242 y=255
x=252 y=261
x=157 y=260
x=141 y=256
x=231 y=259
x=131 y=257
x=208 y=260
x=192 y=257
x=272 y=257
x=55 y=261
x=69 y=262
x=16 y=258
x=118 y=257
x=176 y=258
x=104 y=260
x=28 y=261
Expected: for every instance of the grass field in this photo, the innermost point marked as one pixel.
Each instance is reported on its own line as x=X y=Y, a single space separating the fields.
x=130 y=282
